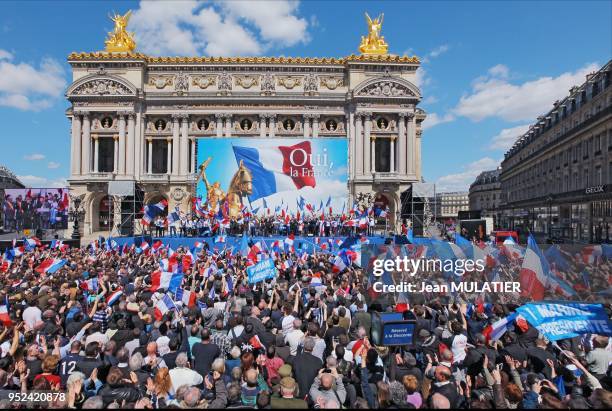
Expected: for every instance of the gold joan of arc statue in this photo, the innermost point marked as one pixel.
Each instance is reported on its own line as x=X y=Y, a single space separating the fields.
x=241 y=185
x=374 y=43
x=120 y=40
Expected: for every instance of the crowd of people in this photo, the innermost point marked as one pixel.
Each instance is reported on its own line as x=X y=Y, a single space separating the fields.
x=264 y=225
x=105 y=332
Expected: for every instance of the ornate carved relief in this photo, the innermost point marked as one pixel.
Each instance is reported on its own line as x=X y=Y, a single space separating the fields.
x=203 y=82
x=101 y=87
x=311 y=85
x=181 y=82
x=332 y=83
x=386 y=89
x=247 y=81
x=161 y=82
x=225 y=83
x=289 y=82
x=267 y=84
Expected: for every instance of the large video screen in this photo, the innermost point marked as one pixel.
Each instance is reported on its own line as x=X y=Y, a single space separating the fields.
x=276 y=174
x=34 y=208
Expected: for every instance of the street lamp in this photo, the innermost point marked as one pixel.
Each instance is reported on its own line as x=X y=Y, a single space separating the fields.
x=76 y=213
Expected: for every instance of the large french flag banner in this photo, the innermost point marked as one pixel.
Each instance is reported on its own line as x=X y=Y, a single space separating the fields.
x=153 y=210
x=535 y=272
x=162 y=306
x=166 y=280
x=50 y=265
x=494 y=332
x=277 y=169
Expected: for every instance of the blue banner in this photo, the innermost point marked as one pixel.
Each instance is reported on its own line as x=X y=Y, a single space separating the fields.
x=261 y=271
x=399 y=333
x=566 y=320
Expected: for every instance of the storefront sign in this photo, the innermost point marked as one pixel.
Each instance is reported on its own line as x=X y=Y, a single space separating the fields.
x=595 y=189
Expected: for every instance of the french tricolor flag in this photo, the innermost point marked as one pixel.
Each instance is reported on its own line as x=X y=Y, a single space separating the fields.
x=32 y=243
x=162 y=306
x=5 y=318
x=114 y=297
x=166 y=280
x=220 y=239
x=153 y=210
x=156 y=246
x=277 y=168
x=199 y=244
x=493 y=332
x=50 y=265
x=187 y=297
x=535 y=272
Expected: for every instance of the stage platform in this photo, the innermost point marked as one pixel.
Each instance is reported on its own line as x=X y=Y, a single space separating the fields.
x=307 y=244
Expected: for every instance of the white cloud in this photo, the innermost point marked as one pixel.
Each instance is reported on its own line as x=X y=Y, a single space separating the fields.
x=26 y=87
x=493 y=95
x=430 y=100
x=433 y=119
x=435 y=53
x=193 y=27
x=462 y=180
x=506 y=138
x=34 y=157
x=421 y=78
x=53 y=165
x=439 y=50
x=5 y=55
x=37 y=181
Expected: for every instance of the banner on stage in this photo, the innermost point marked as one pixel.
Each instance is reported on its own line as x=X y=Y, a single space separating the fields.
x=557 y=321
x=277 y=174
x=261 y=271
x=35 y=208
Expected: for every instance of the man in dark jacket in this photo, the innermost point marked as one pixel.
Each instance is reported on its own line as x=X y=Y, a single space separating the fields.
x=306 y=367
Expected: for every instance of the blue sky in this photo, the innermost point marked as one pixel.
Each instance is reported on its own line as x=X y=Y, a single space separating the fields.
x=489 y=68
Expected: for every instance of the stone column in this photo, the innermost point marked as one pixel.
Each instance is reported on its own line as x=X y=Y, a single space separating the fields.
x=351 y=135
x=315 y=126
x=184 y=146
x=86 y=145
x=174 y=155
x=359 y=143
x=417 y=154
x=402 y=143
x=219 y=118
x=392 y=168
x=130 y=146
x=306 y=127
x=121 y=155
x=75 y=158
x=228 y=125
x=272 y=131
x=116 y=154
x=262 y=125
x=150 y=155
x=96 y=153
x=192 y=143
x=140 y=146
x=373 y=150
x=169 y=159
x=411 y=144
x=367 y=144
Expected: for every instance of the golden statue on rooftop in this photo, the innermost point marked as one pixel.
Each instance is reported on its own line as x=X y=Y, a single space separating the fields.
x=374 y=43
x=120 y=40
